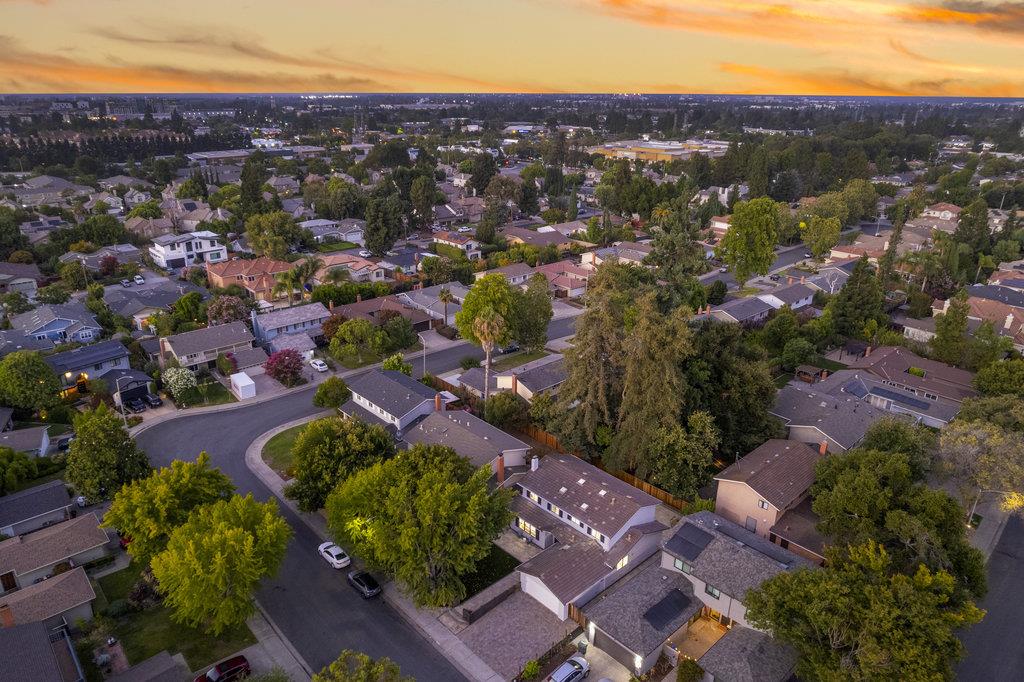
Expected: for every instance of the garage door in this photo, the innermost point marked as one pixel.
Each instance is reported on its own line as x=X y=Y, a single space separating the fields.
x=613 y=649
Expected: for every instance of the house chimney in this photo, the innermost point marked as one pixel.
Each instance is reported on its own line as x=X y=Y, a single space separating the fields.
x=867 y=351
x=535 y=463
x=501 y=469
x=438 y=405
x=515 y=384
x=803 y=279
x=6 y=617
x=823 y=448
x=824 y=374
x=359 y=298
x=789 y=280
x=330 y=305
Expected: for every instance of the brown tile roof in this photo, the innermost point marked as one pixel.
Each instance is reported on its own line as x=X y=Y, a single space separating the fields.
x=50 y=597
x=51 y=545
x=242 y=267
x=780 y=471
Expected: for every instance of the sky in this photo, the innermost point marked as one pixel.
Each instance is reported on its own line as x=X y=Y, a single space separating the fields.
x=821 y=47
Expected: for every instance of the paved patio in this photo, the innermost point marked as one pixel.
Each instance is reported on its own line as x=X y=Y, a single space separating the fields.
x=700 y=636
x=515 y=631
x=521 y=549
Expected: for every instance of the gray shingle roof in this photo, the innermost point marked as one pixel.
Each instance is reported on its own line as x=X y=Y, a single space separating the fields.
x=780 y=471
x=23 y=440
x=33 y=502
x=87 y=356
x=746 y=655
x=28 y=655
x=542 y=376
x=51 y=545
x=792 y=293
x=45 y=314
x=52 y=597
x=391 y=391
x=743 y=309
x=469 y=436
x=843 y=418
x=12 y=340
x=209 y=338
x=300 y=314
x=862 y=385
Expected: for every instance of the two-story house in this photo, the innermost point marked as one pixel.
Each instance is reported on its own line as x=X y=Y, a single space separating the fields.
x=359 y=269
x=258 y=276
x=59 y=323
x=34 y=508
x=176 y=251
x=94 y=260
x=466 y=243
x=392 y=399
x=517 y=274
x=200 y=348
x=75 y=367
x=592 y=527
x=294 y=328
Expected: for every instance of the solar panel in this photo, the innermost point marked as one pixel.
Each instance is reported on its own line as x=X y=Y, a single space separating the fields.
x=901 y=398
x=856 y=388
x=669 y=608
x=689 y=542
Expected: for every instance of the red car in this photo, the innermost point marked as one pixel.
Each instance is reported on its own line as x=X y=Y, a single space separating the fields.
x=232 y=669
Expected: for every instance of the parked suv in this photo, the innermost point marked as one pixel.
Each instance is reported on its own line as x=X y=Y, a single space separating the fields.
x=365 y=584
x=232 y=669
x=135 y=405
x=573 y=670
x=153 y=400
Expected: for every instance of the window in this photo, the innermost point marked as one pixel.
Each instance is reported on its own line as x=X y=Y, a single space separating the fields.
x=553 y=508
x=712 y=591
x=533 y=497
x=602 y=537
x=682 y=566
x=622 y=562
x=763 y=504
x=528 y=528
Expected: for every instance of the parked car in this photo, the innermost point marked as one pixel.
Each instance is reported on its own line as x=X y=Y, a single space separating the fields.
x=774 y=278
x=153 y=400
x=723 y=269
x=512 y=347
x=318 y=364
x=232 y=669
x=365 y=584
x=135 y=405
x=125 y=283
x=365 y=254
x=464 y=229
x=334 y=555
x=139 y=279
x=807 y=254
x=573 y=670
x=64 y=443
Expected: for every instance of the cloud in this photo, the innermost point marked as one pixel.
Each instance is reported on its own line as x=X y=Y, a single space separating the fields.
x=998 y=17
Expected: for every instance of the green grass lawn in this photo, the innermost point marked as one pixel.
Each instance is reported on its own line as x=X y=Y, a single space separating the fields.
x=490 y=570
x=210 y=393
x=277 y=453
x=53 y=476
x=335 y=246
x=825 y=363
x=146 y=633
x=356 y=361
x=56 y=430
x=783 y=379
x=516 y=359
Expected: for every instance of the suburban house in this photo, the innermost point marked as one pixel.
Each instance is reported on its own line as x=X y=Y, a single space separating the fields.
x=34 y=653
x=59 y=323
x=632 y=253
x=942 y=211
x=573 y=228
x=12 y=340
x=199 y=349
x=566 y=279
x=523 y=235
x=359 y=269
x=258 y=276
x=757 y=489
x=113 y=203
x=34 y=508
x=796 y=296
x=378 y=309
x=149 y=228
x=41 y=574
x=391 y=398
x=20 y=278
x=749 y=311
x=93 y=261
x=445 y=215
x=592 y=527
x=719 y=226
x=294 y=328
x=75 y=367
x=517 y=274
x=538 y=376
x=139 y=305
x=465 y=243
x=907 y=371
x=324 y=230
x=813 y=416
x=470 y=437
x=34 y=441
x=922 y=406
x=427 y=300
x=1006 y=319
x=688 y=601
x=176 y=251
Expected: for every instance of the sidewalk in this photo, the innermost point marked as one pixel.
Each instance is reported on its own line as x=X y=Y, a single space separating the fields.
x=426 y=623
x=993 y=520
x=273 y=650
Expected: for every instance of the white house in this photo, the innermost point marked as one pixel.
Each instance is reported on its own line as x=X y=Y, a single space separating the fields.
x=176 y=251
x=391 y=398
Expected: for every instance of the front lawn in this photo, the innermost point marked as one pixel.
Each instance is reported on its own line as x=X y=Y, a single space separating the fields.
x=211 y=392
x=495 y=566
x=335 y=246
x=277 y=453
x=147 y=633
x=515 y=359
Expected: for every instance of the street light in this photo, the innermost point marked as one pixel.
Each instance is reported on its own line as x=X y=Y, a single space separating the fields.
x=423 y=343
x=124 y=414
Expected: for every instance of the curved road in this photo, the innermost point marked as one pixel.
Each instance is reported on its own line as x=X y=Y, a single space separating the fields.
x=311 y=603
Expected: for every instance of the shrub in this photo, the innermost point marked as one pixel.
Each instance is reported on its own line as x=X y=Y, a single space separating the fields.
x=469 y=362
x=332 y=393
x=226 y=364
x=505 y=409
x=179 y=381
x=689 y=671
x=285 y=366
x=530 y=670
x=117 y=608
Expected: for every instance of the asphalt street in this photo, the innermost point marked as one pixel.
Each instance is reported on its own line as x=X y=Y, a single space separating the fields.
x=784 y=258
x=311 y=602
x=995 y=649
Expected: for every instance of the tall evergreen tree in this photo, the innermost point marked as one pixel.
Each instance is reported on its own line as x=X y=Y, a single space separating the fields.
x=858 y=302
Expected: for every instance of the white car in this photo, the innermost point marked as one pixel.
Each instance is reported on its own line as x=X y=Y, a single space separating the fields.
x=318 y=364
x=334 y=555
x=139 y=279
x=365 y=254
x=463 y=230
x=573 y=670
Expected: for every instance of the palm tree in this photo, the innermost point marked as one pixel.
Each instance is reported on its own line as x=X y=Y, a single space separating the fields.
x=305 y=272
x=445 y=296
x=337 y=276
x=488 y=327
x=288 y=282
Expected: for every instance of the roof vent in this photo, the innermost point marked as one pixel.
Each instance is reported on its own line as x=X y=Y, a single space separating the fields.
x=584 y=506
x=602 y=492
x=582 y=481
x=563 y=489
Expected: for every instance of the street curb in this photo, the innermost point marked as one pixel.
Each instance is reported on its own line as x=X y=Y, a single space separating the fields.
x=285 y=641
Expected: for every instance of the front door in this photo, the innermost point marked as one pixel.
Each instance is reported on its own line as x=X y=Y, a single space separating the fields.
x=751 y=524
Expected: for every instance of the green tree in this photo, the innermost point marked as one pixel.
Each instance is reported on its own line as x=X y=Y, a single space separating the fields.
x=780 y=330
x=973 y=229
x=352 y=666
x=434 y=526
x=916 y=441
x=328 y=451
x=148 y=510
x=272 y=234
x=423 y=196
x=757 y=172
x=253 y=176
x=383 y=223
x=860 y=301
x=147 y=209
x=834 y=617
x=985 y=347
x=237 y=542
x=682 y=457
x=27 y=382
x=74 y=275
x=484 y=168
x=748 y=247
x=820 y=234
x=397 y=363
x=332 y=393
x=1005 y=377
x=949 y=344
x=54 y=294
x=533 y=313
x=984 y=458
x=16 y=468
x=796 y=352
x=357 y=338
x=103 y=457
x=1004 y=411
x=487 y=317
x=224 y=309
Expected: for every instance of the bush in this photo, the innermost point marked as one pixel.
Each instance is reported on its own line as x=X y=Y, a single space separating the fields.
x=179 y=381
x=118 y=608
x=689 y=671
x=284 y=366
x=530 y=670
x=505 y=409
x=469 y=362
x=332 y=393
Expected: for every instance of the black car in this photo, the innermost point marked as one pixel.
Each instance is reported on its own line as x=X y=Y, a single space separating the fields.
x=64 y=443
x=365 y=584
x=135 y=405
x=153 y=400
x=774 y=278
x=510 y=348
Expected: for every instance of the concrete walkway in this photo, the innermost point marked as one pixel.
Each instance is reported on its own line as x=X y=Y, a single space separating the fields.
x=273 y=650
x=426 y=622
